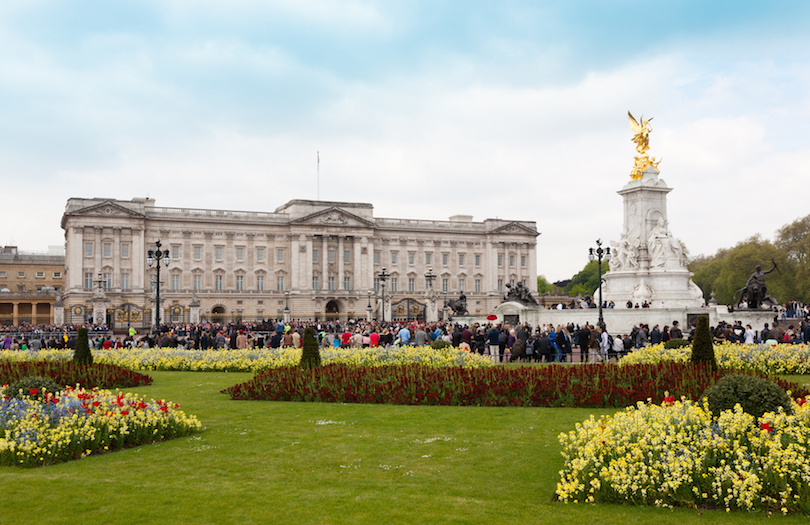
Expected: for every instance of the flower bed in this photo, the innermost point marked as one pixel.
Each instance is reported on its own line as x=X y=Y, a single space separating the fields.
x=254 y=359
x=573 y=386
x=67 y=373
x=75 y=423
x=766 y=359
x=677 y=454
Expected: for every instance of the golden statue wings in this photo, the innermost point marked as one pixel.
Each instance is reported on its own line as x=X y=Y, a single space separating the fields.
x=641 y=132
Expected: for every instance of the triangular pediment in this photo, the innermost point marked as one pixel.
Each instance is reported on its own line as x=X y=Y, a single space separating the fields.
x=333 y=216
x=107 y=209
x=515 y=227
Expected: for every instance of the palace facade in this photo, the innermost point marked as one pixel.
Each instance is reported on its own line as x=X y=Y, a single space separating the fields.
x=318 y=260
x=29 y=283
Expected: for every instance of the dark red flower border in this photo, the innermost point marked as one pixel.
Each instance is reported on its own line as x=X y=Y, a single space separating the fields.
x=527 y=386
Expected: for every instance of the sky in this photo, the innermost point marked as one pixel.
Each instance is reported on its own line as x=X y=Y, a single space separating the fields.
x=426 y=109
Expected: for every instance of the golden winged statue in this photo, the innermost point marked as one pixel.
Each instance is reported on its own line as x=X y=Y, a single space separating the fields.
x=641 y=129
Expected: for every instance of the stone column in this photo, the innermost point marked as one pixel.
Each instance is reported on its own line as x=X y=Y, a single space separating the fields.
x=357 y=259
x=33 y=312
x=294 y=274
x=15 y=313
x=341 y=265
x=307 y=285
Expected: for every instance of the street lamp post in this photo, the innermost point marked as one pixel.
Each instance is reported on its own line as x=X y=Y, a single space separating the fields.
x=368 y=308
x=598 y=254
x=153 y=256
x=286 y=307
x=429 y=278
x=383 y=275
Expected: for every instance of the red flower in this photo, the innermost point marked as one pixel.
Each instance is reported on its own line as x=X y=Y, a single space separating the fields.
x=54 y=400
x=801 y=401
x=669 y=400
x=96 y=403
x=766 y=426
x=33 y=391
x=125 y=412
x=164 y=408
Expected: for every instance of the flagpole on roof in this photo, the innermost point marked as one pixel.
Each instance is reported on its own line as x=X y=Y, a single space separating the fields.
x=318 y=183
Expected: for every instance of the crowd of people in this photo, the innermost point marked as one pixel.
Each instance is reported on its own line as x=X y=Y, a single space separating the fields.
x=502 y=343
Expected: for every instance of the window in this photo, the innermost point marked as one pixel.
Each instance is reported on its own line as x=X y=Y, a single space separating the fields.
x=347 y=256
x=197 y=253
x=461 y=283
x=259 y=254
x=500 y=260
x=393 y=284
x=411 y=284
x=331 y=282
x=347 y=283
x=218 y=253
x=197 y=281
x=240 y=254
x=88 y=280
x=376 y=284
x=330 y=256
x=20 y=275
x=107 y=248
x=394 y=257
x=478 y=260
x=107 y=280
x=445 y=284
x=411 y=258
x=280 y=283
x=280 y=255
x=523 y=261
x=3 y=275
x=176 y=252
x=125 y=281
x=428 y=258
x=511 y=260
x=376 y=257
x=56 y=275
x=478 y=285
x=175 y=281
x=240 y=282
x=500 y=285
x=88 y=249
x=218 y=282
x=445 y=259
x=152 y=283
x=260 y=282
x=314 y=255
x=461 y=259
x=40 y=275
x=314 y=282
x=125 y=250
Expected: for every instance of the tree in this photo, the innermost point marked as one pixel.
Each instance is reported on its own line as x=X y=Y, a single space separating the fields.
x=587 y=280
x=82 y=354
x=702 y=346
x=727 y=271
x=310 y=354
x=543 y=286
x=794 y=240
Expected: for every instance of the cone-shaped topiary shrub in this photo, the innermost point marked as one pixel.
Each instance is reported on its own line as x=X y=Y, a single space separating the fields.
x=310 y=354
x=702 y=346
x=754 y=394
x=82 y=354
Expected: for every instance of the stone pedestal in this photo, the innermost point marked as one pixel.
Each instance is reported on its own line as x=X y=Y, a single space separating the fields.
x=99 y=312
x=647 y=261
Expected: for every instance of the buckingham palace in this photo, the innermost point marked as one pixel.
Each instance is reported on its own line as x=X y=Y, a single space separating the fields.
x=310 y=260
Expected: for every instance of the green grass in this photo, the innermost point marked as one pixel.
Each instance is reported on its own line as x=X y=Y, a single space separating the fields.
x=264 y=462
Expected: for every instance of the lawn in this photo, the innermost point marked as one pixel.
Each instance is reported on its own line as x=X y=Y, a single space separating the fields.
x=266 y=462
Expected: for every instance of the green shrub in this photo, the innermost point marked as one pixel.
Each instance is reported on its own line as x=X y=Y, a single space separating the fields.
x=702 y=346
x=676 y=343
x=24 y=387
x=310 y=353
x=82 y=354
x=438 y=344
x=754 y=394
